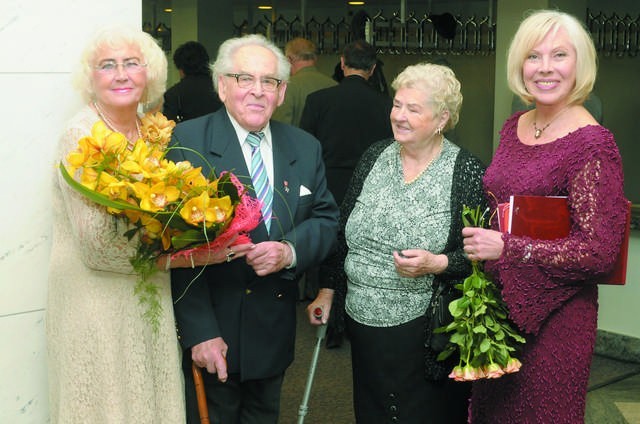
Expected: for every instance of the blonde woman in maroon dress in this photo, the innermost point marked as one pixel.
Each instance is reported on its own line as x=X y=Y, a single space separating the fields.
x=556 y=149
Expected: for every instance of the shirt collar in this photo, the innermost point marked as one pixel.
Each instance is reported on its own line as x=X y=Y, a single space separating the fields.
x=242 y=133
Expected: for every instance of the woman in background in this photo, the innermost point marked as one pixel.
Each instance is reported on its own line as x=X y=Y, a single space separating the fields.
x=401 y=236
x=194 y=94
x=556 y=149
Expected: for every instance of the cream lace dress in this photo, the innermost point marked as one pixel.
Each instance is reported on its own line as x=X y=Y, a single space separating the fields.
x=105 y=363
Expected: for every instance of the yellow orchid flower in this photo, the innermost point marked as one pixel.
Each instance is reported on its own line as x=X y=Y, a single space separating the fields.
x=107 y=141
x=194 y=210
x=157 y=129
x=193 y=179
x=206 y=210
x=144 y=163
x=152 y=225
x=78 y=157
x=113 y=187
x=133 y=215
x=222 y=208
x=155 y=198
x=89 y=178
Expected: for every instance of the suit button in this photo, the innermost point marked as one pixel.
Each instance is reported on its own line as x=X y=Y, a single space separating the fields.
x=279 y=295
x=247 y=291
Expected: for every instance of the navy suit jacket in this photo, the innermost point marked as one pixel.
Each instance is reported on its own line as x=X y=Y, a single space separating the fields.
x=255 y=315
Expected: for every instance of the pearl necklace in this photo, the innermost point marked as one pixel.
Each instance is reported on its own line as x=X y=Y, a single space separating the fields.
x=112 y=127
x=538 y=131
x=411 y=181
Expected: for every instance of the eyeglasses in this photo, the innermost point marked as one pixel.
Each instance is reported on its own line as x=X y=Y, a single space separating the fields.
x=130 y=66
x=248 y=81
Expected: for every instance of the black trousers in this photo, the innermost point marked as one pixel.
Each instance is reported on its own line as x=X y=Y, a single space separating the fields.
x=235 y=402
x=388 y=378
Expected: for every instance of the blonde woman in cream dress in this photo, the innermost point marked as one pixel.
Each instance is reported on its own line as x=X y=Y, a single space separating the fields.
x=106 y=363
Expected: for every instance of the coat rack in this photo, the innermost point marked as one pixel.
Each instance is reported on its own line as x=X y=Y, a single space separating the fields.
x=614 y=35
x=418 y=34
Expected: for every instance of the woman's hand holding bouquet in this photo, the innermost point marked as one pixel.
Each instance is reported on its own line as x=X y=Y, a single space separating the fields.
x=178 y=214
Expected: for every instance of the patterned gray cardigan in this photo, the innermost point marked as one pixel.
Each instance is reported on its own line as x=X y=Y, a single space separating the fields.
x=466 y=190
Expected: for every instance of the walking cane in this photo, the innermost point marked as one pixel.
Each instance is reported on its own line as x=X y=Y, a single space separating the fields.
x=203 y=410
x=322 y=330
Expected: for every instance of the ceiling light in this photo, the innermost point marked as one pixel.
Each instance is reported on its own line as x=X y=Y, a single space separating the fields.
x=265 y=7
x=356 y=3
x=168 y=10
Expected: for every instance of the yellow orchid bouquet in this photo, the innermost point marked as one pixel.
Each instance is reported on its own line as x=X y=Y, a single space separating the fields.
x=172 y=207
x=482 y=333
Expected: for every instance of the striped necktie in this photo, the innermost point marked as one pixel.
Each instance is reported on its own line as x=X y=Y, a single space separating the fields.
x=259 y=176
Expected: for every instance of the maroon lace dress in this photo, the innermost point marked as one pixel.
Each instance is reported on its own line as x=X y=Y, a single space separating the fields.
x=550 y=286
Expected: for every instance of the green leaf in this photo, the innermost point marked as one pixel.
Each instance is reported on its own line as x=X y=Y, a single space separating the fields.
x=92 y=195
x=103 y=200
x=480 y=329
x=189 y=238
x=458 y=338
x=485 y=345
x=455 y=308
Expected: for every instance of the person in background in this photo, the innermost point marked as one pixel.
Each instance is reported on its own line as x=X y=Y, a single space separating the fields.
x=305 y=79
x=359 y=31
x=347 y=119
x=401 y=222
x=193 y=95
x=238 y=319
x=549 y=286
x=106 y=364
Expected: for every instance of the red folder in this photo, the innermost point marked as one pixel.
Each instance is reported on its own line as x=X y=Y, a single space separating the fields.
x=547 y=218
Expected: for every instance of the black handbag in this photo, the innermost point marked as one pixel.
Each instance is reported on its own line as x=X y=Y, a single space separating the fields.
x=436 y=316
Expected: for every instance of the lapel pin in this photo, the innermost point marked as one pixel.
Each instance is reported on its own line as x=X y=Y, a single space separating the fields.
x=286 y=186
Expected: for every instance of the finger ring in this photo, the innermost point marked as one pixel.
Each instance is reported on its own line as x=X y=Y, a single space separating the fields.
x=230 y=255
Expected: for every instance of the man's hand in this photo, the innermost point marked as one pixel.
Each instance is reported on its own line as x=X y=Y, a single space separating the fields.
x=211 y=354
x=323 y=300
x=269 y=257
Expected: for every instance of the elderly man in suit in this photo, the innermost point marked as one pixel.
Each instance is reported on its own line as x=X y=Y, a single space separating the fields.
x=237 y=318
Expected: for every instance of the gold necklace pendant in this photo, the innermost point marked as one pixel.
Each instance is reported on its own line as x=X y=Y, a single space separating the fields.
x=538 y=131
x=424 y=169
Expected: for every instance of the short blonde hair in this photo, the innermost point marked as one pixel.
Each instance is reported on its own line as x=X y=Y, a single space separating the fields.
x=532 y=31
x=118 y=36
x=440 y=84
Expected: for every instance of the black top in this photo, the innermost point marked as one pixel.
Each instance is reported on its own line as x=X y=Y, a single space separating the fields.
x=191 y=97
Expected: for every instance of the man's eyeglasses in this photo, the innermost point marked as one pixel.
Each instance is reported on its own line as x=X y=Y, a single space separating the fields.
x=248 y=81
x=130 y=66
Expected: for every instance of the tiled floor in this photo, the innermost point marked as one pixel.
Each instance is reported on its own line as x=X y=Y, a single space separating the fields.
x=615 y=403
x=613 y=398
